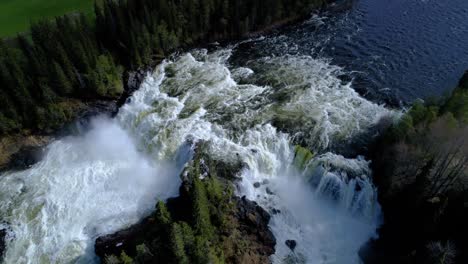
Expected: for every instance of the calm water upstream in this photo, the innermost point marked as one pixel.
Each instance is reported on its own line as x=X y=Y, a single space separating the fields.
x=395 y=50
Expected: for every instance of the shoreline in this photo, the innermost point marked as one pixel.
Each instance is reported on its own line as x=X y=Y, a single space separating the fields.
x=22 y=150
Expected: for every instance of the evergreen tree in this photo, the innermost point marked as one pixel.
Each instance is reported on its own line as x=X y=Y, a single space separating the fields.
x=65 y=63
x=60 y=80
x=177 y=244
x=106 y=79
x=201 y=210
x=162 y=214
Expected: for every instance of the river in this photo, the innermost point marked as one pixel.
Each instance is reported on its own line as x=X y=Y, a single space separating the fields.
x=322 y=84
x=394 y=51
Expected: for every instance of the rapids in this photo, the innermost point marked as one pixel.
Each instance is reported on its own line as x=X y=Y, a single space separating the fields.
x=111 y=176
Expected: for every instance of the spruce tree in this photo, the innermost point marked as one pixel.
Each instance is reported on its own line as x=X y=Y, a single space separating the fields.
x=60 y=80
x=201 y=211
x=162 y=214
x=177 y=244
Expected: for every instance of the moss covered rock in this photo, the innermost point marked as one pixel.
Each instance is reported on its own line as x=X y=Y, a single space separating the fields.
x=302 y=157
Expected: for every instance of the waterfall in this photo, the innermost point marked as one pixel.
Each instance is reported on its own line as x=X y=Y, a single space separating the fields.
x=112 y=175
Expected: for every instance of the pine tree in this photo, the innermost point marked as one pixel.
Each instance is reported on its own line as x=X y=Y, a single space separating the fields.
x=14 y=85
x=177 y=244
x=162 y=214
x=36 y=67
x=106 y=78
x=201 y=210
x=66 y=64
x=61 y=82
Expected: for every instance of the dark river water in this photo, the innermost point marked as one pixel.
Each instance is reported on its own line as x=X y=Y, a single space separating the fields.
x=394 y=51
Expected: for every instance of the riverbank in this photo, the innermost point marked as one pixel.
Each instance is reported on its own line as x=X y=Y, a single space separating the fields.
x=24 y=149
x=421 y=170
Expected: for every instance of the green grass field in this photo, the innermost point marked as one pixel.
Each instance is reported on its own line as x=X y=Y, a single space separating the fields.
x=16 y=15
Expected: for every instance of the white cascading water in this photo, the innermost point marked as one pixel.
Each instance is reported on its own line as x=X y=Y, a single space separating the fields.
x=84 y=187
x=110 y=177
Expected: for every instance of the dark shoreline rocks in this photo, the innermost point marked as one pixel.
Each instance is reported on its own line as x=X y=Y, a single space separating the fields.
x=123 y=240
x=25 y=158
x=3 y=234
x=134 y=79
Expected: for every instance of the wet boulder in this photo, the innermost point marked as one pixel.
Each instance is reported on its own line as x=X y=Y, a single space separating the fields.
x=276 y=211
x=291 y=244
x=3 y=234
x=269 y=191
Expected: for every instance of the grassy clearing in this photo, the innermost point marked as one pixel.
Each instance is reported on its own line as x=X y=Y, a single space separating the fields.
x=16 y=15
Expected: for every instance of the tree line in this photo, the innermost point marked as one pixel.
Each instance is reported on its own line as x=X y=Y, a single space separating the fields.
x=74 y=58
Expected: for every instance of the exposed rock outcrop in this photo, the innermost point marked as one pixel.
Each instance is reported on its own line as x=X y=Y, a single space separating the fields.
x=253 y=221
x=239 y=227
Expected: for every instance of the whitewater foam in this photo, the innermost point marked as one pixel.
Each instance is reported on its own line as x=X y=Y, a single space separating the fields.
x=84 y=187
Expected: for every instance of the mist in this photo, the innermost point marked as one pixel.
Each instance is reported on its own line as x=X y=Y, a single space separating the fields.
x=325 y=231
x=84 y=187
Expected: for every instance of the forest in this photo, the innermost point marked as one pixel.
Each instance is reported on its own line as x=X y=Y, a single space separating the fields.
x=421 y=168
x=72 y=59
